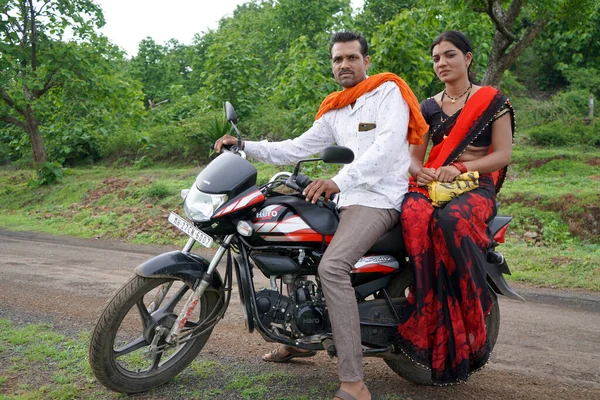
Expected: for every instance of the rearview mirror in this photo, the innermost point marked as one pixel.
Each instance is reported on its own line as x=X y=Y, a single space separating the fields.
x=230 y=112
x=337 y=155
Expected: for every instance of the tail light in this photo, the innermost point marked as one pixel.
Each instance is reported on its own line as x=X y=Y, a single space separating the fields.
x=499 y=236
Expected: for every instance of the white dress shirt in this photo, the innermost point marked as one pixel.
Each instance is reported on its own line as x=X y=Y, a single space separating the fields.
x=378 y=176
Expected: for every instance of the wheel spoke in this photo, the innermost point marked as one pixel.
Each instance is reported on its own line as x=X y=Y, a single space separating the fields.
x=155 y=361
x=147 y=320
x=131 y=347
x=170 y=305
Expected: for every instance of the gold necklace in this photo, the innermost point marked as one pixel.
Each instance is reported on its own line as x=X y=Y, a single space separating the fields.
x=442 y=119
x=453 y=99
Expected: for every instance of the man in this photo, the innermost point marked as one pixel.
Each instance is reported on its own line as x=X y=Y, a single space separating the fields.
x=372 y=117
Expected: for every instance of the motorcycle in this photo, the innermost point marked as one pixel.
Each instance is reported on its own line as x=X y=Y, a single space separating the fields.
x=159 y=321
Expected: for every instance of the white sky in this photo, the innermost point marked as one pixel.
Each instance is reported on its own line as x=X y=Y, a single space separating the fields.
x=128 y=22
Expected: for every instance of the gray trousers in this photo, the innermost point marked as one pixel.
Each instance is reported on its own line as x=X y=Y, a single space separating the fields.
x=360 y=227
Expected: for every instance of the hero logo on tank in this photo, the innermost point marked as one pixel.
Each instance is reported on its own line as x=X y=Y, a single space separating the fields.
x=269 y=213
x=266 y=214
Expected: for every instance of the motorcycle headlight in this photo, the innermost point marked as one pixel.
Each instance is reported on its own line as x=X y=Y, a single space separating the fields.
x=199 y=206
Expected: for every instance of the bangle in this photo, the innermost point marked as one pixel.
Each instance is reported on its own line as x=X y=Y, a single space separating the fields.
x=460 y=166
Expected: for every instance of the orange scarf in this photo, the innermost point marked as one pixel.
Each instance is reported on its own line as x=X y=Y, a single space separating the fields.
x=416 y=123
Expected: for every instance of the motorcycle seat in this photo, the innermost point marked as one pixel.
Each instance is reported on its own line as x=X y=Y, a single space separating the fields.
x=390 y=242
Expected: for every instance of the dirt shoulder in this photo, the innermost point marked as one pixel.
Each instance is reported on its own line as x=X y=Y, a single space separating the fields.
x=547 y=348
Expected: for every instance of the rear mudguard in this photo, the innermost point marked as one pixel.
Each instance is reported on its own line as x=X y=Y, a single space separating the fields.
x=498 y=283
x=187 y=267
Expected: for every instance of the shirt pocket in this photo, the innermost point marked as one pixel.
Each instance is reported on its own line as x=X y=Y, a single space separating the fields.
x=368 y=113
x=366 y=126
x=364 y=139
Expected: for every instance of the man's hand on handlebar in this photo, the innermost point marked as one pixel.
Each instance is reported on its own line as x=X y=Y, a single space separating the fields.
x=320 y=187
x=226 y=140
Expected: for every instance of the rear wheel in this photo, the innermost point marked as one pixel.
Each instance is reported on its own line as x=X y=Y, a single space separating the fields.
x=410 y=370
x=128 y=352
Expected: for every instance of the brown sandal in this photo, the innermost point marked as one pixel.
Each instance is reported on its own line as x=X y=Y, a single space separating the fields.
x=275 y=355
x=342 y=394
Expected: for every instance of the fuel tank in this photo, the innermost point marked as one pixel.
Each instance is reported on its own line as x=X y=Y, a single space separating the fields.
x=281 y=224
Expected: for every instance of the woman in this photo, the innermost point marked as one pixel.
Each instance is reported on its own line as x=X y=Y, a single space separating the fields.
x=471 y=128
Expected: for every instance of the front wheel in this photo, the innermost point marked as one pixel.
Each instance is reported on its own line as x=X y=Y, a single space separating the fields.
x=128 y=352
x=419 y=374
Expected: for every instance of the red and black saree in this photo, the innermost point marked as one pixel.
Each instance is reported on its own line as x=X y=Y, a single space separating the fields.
x=442 y=324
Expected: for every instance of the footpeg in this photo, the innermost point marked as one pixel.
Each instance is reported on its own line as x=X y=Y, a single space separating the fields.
x=329 y=345
x=494 y=258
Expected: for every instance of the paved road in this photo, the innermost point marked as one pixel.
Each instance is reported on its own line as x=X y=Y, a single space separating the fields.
x=549 y=347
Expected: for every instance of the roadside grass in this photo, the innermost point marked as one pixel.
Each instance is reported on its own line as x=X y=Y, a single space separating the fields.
x=576 y=266
x=117 y=203
x=553 y=195
x=38 y=362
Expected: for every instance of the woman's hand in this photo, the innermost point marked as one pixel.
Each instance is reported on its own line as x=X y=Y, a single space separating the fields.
x=447 y=173
x=425 y=175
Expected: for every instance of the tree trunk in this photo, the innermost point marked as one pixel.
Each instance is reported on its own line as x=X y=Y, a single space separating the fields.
x=507 y=47
x=493 y=75
x=497 y=62
x=37 y=143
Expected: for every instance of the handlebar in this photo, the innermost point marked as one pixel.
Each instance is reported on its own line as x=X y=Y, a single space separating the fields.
x=303 y=181
x=299 y=183
x=227 y=147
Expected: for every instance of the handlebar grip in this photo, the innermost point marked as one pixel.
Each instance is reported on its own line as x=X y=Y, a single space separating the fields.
x=292 y=184
x=300 y=183
x=303 y=181
x=226 y=147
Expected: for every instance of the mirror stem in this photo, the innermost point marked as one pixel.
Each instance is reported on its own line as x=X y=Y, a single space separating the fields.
x=239 y=136
x=297 y=167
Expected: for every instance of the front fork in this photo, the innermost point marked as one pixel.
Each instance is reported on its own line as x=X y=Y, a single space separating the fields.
x=194 y=298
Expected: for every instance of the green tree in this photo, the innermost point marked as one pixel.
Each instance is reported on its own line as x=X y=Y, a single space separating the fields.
x=500 y=29
x=402 y=44
x=306 y=78
x=314 y=19
x=303 y=84
x=197 y=59
x=402 y=47
x=32 y=61
x=161 y=69
x=518 y=22
x=232 y=72
x=564 y=53
x=80 y=114
x=377 y=12
x=237 y=66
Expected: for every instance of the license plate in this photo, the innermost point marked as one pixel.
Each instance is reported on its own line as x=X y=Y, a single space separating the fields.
x=190 y=230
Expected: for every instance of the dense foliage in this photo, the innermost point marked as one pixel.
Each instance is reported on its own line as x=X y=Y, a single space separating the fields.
x=270 y=60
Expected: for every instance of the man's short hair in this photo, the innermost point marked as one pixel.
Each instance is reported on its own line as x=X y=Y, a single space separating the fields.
x=347 y=36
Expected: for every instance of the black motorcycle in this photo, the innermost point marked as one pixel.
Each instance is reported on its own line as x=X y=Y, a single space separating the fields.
x=158 y=321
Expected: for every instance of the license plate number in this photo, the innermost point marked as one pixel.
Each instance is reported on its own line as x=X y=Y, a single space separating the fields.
x=190 y=230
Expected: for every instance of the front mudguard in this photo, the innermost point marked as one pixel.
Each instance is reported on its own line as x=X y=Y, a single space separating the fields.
x=186 y=267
